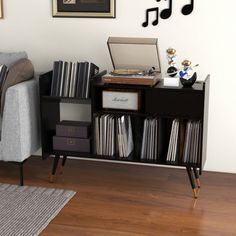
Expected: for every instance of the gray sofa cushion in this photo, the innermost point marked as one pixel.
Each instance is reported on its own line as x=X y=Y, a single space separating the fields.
x=22 y=70
x=9 y=58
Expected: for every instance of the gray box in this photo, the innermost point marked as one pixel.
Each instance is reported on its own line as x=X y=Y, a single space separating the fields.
x=71 y=144
x=76 y=129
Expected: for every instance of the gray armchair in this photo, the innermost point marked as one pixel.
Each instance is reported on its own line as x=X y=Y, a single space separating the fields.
x=20 y=124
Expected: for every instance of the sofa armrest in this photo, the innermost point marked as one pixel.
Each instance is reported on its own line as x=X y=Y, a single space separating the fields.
x=20 y=124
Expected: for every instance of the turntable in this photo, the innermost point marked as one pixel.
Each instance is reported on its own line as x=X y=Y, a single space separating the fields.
x=135 y=61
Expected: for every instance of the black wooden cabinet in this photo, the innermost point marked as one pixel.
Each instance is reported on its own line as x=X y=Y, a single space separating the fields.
x=167 y=103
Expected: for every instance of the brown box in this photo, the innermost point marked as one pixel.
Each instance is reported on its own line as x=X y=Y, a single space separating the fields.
x=76 y=129
x=121 y=99
x=71 y=144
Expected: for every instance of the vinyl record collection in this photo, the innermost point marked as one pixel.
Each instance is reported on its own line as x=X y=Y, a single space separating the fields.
x=185 y=141
x=151 y=146
x=72 y=79
x=192 y=147
x=173 y=142
x=113 y=135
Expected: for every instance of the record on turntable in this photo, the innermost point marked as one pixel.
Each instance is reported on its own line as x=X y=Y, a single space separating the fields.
x=135 y=61
x=127 y=72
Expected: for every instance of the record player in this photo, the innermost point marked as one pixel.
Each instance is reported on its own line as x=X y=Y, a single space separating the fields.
x=135 y=61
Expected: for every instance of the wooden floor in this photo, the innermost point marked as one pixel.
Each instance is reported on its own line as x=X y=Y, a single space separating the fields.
x=118 y=199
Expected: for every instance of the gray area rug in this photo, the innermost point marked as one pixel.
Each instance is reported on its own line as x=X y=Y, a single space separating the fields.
x=28 y=210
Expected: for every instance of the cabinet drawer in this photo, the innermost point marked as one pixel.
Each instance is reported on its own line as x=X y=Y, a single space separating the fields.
x=187 y=103
x=71 y=144
x=73 y=129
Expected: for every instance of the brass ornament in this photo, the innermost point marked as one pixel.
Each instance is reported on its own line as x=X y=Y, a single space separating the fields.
x=186 y=63
x=171 y=51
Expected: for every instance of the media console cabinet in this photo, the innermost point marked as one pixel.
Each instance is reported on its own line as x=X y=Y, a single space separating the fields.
x=166 y=103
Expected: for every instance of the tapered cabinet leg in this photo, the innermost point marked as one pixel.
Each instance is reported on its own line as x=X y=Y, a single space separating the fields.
x=196 y=173
x=63 y=164
x=54 y=168
x=192 y=181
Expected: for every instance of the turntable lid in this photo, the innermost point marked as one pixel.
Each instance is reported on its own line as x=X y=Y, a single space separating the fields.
x=134 y=53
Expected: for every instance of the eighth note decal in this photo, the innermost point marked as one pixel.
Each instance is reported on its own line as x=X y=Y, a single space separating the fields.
x=166 y=13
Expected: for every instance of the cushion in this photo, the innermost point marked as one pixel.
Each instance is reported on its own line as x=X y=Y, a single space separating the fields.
x=22 y=70
x=9 y=58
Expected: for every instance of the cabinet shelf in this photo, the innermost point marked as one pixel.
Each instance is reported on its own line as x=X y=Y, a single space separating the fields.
x=121 y=112
x=70 y=153
x=66 y=100
x=131 y=158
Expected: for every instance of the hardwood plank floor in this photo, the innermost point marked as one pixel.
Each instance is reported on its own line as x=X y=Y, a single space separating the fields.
x=116 y=199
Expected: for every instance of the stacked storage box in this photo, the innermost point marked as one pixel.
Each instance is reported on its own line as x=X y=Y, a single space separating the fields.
x=72 y=136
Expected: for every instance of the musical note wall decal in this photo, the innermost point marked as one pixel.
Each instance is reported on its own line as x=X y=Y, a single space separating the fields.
x=166 y=13
x=188 y=8
x=148 y=11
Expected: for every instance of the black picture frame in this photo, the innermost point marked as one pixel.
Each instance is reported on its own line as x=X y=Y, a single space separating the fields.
x=84 y=8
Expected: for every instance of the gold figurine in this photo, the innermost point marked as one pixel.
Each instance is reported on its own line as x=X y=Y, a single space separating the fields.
x=171 y=57
x=187 y=74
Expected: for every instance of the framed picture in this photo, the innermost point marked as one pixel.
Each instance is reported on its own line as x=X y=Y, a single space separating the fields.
x=1 y=9
x=84 y=8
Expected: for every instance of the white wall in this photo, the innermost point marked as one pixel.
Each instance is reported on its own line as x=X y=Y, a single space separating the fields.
x=207 y=37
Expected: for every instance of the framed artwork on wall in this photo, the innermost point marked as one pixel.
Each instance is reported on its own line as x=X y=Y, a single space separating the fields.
x=84 y=8
x=1 y=9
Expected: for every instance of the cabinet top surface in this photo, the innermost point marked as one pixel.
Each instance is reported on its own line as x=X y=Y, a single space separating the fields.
x=198 y=86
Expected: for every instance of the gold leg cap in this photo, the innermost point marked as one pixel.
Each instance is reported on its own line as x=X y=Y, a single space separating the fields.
x=195 y=195
x=198 y=183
